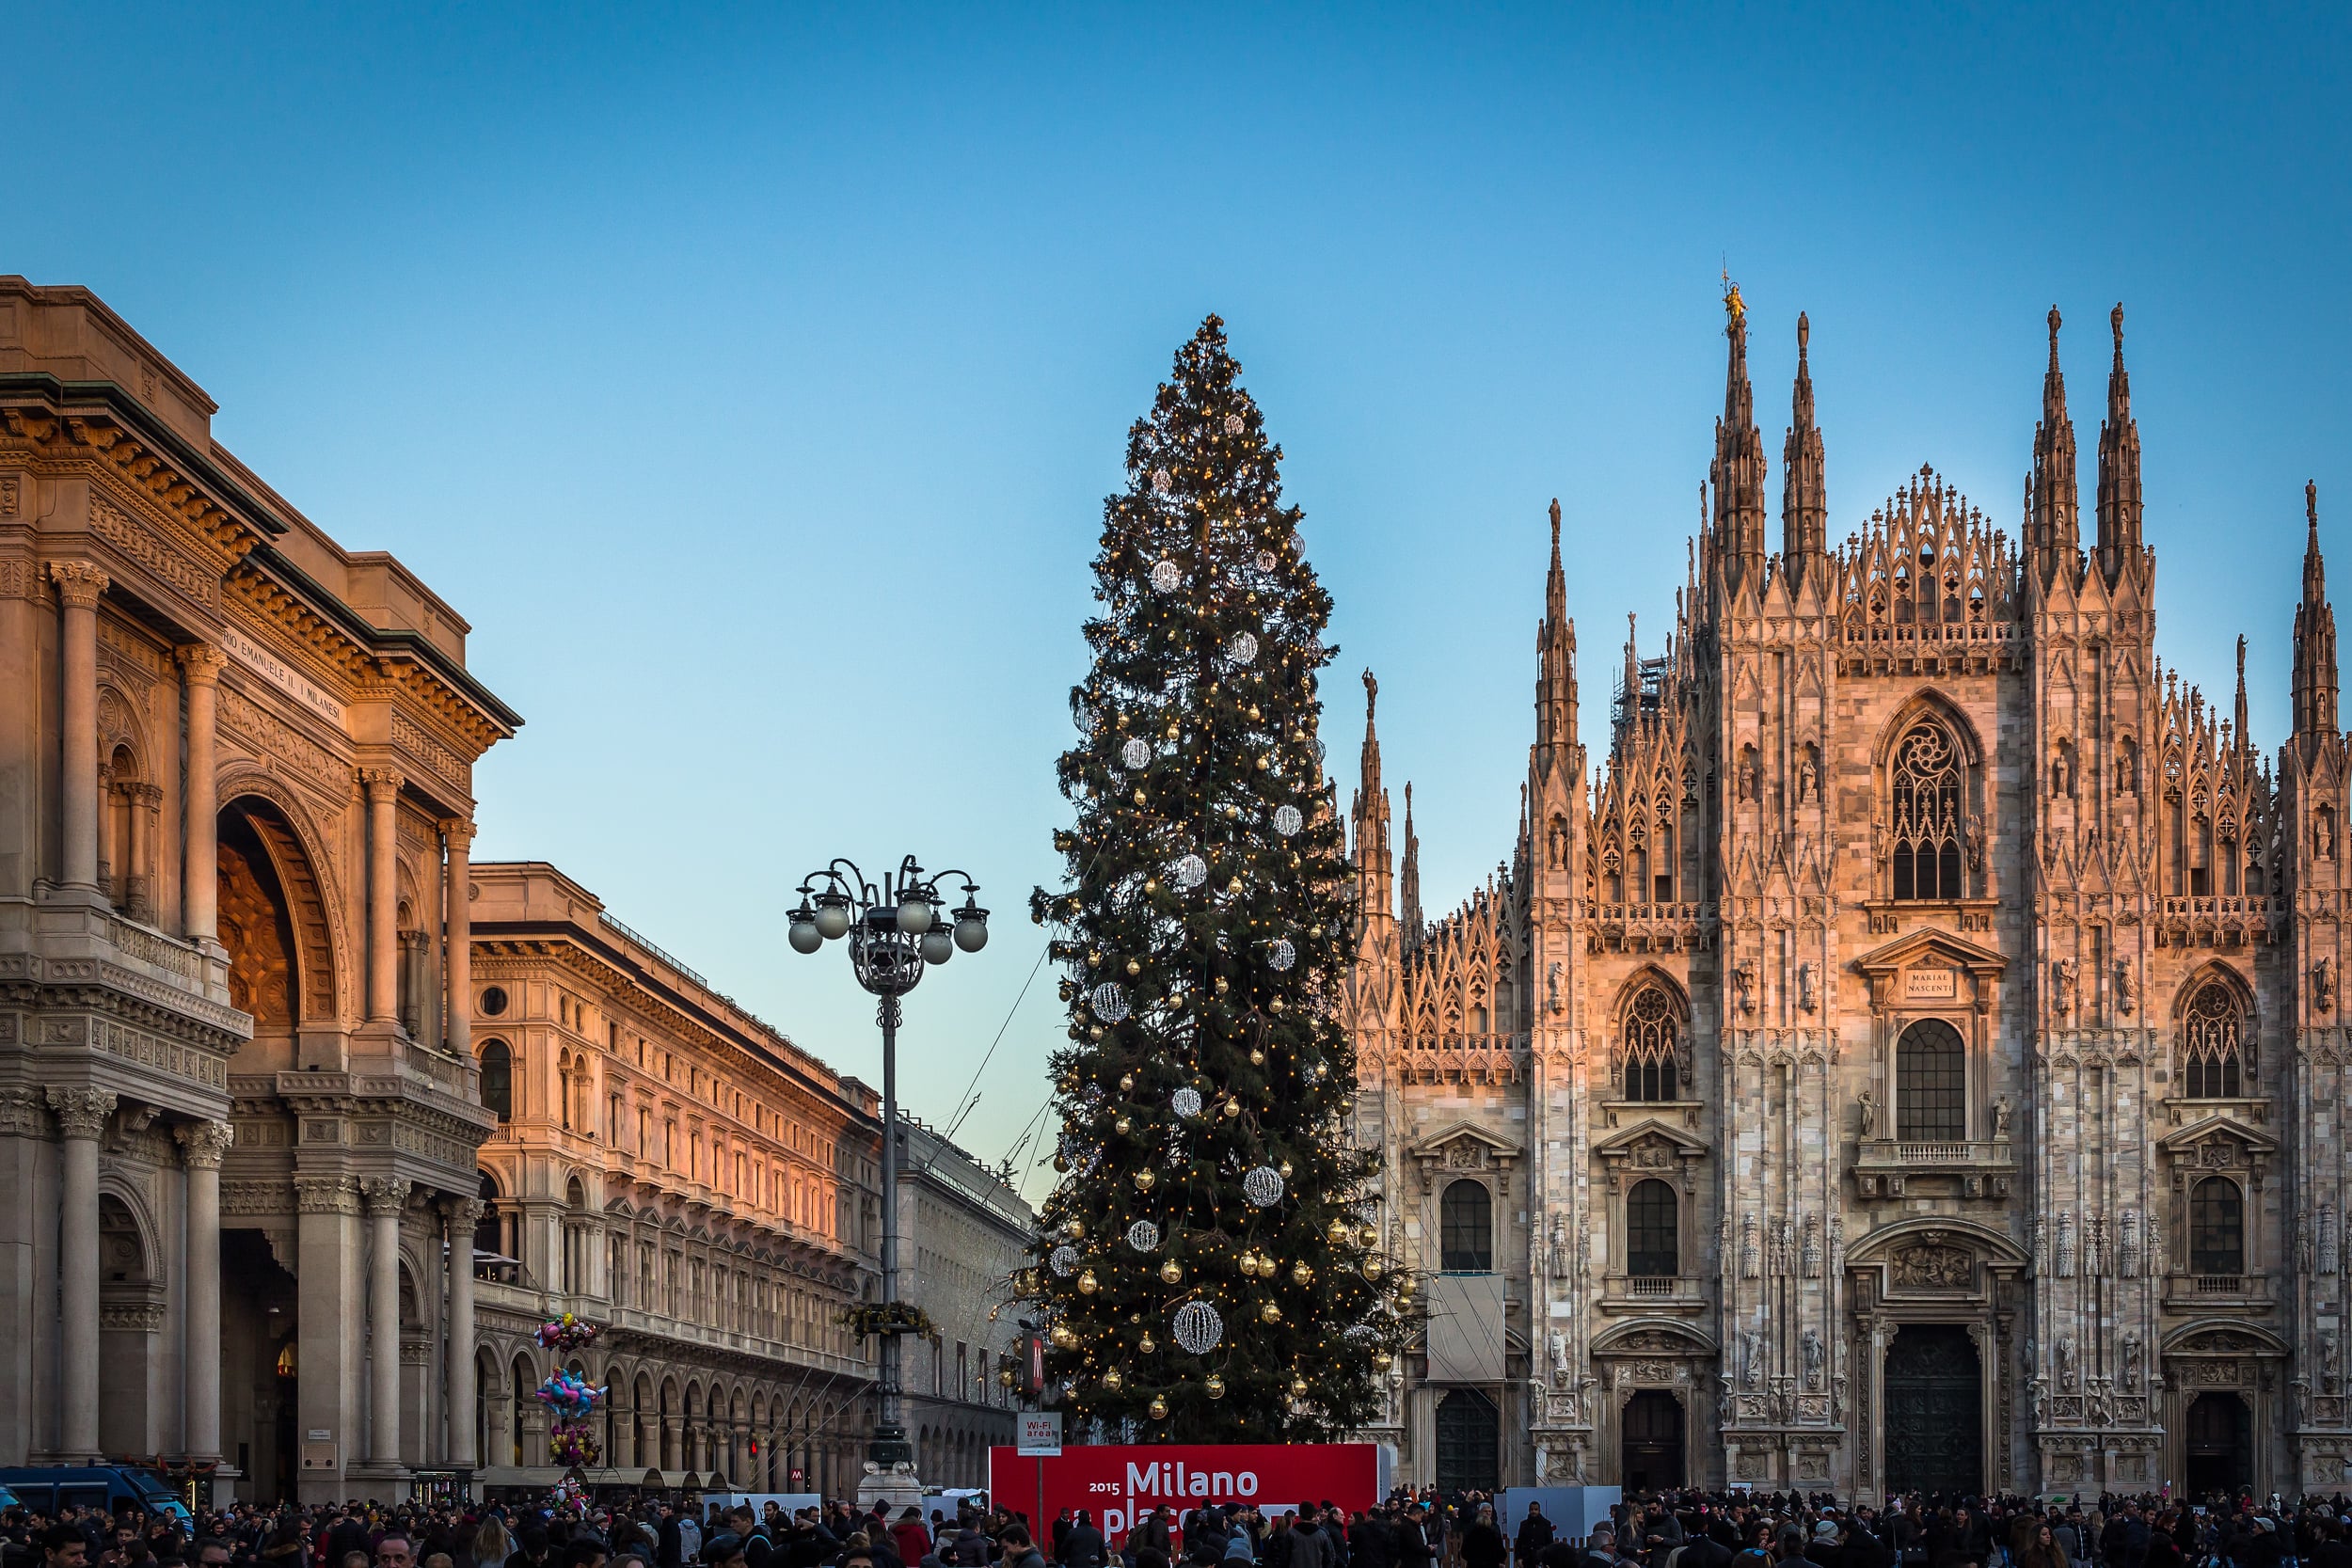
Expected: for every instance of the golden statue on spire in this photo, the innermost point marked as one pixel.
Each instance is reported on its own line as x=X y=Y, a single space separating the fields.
x=1734 y=307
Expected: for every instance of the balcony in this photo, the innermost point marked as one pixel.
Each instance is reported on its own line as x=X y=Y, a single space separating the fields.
x=1676 y=1294
x=2198 y=1293
x=1894 y=1167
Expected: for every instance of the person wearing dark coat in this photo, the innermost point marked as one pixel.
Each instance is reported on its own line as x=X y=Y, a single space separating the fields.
x=1535 y=1533
x=1482 y=1543
x=1084 y=1545
x=1370 y=1542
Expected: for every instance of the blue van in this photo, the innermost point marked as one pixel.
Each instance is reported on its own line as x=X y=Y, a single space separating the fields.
x=113 y=1487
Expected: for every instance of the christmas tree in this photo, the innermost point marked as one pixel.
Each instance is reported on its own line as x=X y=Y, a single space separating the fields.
x=1211 y=1266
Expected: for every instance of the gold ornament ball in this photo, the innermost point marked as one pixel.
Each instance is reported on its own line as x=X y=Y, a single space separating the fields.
x=1077 y=1230
x=1087 y=1284
x=1270 y=1313
x=1233 y=886
x=1257 y=1058
x=1300 y=1274
x=1061 y=1167
x=1380 y=1362
x=1298 y=1387
x=1145 y=1180
x=1338 y=1233
x=1146 y=1344
x=1159 y=1408
x=1094 y=1031
x=1133 y=967
x=1372 y=1267
x=1323 y=1070
x=1121 y=1126
x=1150 y=884
x=1126 y=1083
x=1062 y=1336
x=1215 y=1386
x=1284 y=1170
x=1171 y=1272
x=1372 y=1235
x=1111 y=1379
x=1275 y=1006
x=1221 y=986
x=1233 y=1109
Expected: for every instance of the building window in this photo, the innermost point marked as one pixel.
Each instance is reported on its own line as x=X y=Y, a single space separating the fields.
x=1929 y=815
x=489 y=1230
x=2213 y=1062
x=1931 y=1084
x=1649 y=1038
x=1466 y=1216
x=1650 y=1219
x=2217 y=1227
x=493 y=1001
x=498 y=1080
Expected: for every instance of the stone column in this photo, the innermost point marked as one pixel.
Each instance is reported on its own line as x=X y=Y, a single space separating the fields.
x=384 y=1198
x=203 y=1145
x=81 y=1118
x=457 y=933
x=464 y=1215
x=383 y=790
x=79 y=585
x=147 y=802
x=330 y=1316
x=199 y=886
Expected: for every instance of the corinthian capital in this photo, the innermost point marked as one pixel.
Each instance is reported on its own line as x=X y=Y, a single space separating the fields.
x=203 y=1143
x=458 y=832
x=464 y=1215
x=384 y=1195
x=202 y=661
x=81 y=1113
x=79 y=583
x=381 y=784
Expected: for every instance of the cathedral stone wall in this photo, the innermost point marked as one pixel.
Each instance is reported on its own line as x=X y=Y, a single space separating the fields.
x=1909 y=1061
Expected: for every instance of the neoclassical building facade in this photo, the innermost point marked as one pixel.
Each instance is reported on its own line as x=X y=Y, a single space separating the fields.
x=235 y=805
x=669 y=1167
x=1914 y=1058
x=967 y=1232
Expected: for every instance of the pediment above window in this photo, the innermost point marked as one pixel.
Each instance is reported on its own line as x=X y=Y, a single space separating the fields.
x=1930 y=969
x=1462 y=1147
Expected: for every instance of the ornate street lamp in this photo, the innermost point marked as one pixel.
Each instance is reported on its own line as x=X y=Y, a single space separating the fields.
x=896 y=930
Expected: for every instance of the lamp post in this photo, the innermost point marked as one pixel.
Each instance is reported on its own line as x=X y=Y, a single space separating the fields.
x=896 y=928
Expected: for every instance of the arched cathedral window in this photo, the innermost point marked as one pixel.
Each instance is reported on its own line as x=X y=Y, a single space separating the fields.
x=1651 y=1031
x=1929 y=815
x=2212 y=1052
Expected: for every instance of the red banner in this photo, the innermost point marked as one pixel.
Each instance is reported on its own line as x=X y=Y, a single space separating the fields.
x=1119 y=1483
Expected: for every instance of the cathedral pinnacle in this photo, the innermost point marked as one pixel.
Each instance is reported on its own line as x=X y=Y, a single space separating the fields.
x=1737 y=473
x=2315 y=637
x=1555 y=661
x=2053 y=523
x=1804 y=500
x=2119 y=467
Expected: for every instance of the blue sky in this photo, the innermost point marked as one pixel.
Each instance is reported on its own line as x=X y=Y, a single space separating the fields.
x=752 y=378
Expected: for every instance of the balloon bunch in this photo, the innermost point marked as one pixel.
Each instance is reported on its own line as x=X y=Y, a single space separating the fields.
x=567 y=1493
x=569 y=1395
x=572 y=1445
x=565 y=1333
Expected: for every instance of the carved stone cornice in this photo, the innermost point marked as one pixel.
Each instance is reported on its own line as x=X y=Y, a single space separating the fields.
x=384 y=1194
x=202 y=661
x=325 y=1195
x=81 y=1113
x=203 y=1143
x=79 y=583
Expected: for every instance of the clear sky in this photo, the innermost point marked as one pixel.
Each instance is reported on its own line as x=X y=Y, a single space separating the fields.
x=752 y=378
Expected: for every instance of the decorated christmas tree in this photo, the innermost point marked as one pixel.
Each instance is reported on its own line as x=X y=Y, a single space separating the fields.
x=1212 y=1264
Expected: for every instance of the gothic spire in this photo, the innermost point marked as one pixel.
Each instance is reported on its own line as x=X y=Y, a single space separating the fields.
x=2245 y=738
x=1738 y=473
x=1804 y=500
x=1371 y=815
x=1408 y=877
x=2119 y=467
x=1555 y=673
x=2054 y=522
x=2315 y=637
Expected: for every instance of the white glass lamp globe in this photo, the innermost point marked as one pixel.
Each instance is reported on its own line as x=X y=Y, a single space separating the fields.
x=939 y=945
x=805 y=937
x=832 y=921
x=971 y=930
x=914 y=914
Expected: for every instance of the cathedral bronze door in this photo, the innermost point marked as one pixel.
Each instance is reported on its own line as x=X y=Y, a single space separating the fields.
x=1469 y=1432
x=2221 y=1445
x=1652 y=1446
x=1935 y=1405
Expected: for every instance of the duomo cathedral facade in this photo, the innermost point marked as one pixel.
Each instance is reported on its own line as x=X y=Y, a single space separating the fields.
x=1911 y=1058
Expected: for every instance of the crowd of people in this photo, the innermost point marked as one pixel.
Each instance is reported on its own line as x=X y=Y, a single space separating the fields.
x=1411 y=1529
